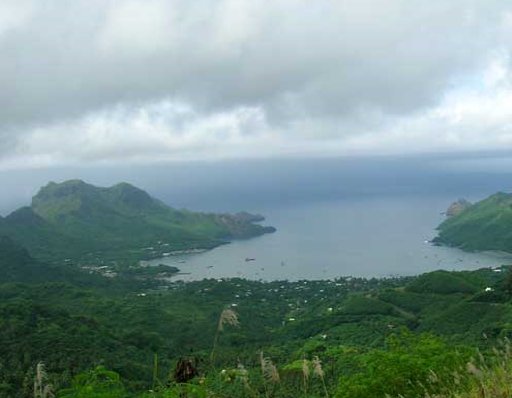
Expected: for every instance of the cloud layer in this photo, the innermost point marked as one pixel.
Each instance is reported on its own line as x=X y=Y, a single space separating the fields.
x=149 y=80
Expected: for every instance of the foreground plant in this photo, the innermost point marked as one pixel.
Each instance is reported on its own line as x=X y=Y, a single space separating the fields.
x=42 y=389
x=269 y=372
x=305 y=375
x=319 y=372
x=227 y=317
x=490 y=377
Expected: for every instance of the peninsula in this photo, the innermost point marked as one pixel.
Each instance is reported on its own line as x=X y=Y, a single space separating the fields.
x=77 y=222
x=485 y=225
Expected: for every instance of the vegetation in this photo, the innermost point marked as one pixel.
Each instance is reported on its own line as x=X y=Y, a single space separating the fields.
x=486 y=225
x=78 y=223
x=73 y=331
x=124 y=336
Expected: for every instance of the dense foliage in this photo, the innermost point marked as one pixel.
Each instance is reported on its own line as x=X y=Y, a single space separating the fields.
x=77 y=222
x=356 y=330
x=129 y=332
x=486 y=225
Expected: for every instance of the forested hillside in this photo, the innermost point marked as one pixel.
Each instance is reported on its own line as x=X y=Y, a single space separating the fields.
x=349 y=337
x=486 y=225
x=77 y=222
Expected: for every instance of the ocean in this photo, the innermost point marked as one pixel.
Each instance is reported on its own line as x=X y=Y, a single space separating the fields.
x=373 y=236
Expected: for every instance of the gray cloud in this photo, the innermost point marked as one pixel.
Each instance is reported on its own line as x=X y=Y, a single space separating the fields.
x=321 y=69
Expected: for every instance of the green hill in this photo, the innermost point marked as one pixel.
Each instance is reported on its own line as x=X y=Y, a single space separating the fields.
x=17 y=266
x=76 y=220
x=441 y=282
x=486 y=225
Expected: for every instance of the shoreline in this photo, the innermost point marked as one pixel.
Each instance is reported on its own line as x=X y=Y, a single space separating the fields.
x=492 y=252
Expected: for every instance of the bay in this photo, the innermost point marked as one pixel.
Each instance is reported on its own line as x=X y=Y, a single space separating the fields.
x=368 y=236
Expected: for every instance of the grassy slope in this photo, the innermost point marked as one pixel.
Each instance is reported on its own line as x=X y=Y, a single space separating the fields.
x=486 y=225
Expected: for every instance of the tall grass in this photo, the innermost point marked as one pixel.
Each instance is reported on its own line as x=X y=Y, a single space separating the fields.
x=490 y=377
x=269 y=372
x=305 y=375
x=227 y=317
x=319 y=372
x=42 y=388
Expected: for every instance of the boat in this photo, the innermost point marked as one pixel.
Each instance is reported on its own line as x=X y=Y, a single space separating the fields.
x=247 y=259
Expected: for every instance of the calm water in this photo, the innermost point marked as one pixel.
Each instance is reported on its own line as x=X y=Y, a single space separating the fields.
x=372 y=236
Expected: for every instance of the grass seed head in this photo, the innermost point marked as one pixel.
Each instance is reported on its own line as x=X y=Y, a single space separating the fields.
x=305 y=368
x=228 y=317
x=317 y=367
x=268 y=369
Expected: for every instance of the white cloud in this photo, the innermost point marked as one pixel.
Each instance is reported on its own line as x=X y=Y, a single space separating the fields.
x=14 y=15
x=469 y=119
x=138 y=27
x=143 y=81
x=164 y=130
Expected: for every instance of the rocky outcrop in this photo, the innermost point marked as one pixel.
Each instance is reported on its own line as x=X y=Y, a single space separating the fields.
x=457 y=207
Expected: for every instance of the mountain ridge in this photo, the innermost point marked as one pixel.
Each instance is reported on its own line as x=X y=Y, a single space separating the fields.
x=485 y=225
x=77 y=217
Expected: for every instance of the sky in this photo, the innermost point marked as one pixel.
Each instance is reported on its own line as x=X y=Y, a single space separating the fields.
x=91 y=82
x=203 y=102
x=267 y=185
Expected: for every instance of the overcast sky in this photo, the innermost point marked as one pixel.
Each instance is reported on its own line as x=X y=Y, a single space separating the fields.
x=88 y=82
